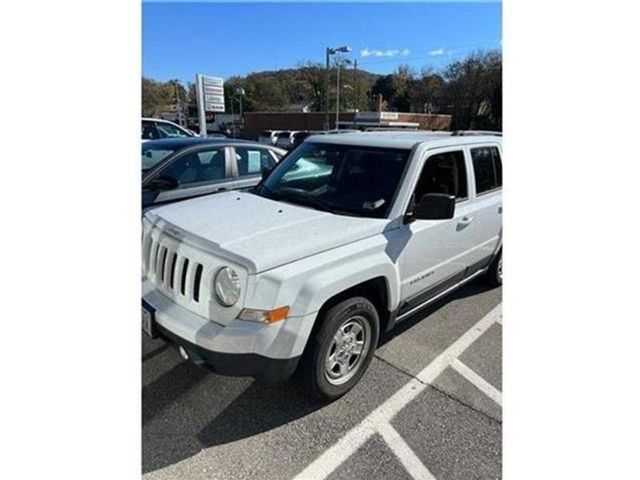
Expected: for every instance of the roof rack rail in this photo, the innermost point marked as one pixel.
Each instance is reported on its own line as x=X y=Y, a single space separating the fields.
x=463 y=133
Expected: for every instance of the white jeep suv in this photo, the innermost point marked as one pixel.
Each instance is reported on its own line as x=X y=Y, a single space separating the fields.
x=347 y=236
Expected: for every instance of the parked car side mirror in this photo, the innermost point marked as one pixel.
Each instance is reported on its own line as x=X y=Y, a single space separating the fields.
x=435 y=206
x=163 y=182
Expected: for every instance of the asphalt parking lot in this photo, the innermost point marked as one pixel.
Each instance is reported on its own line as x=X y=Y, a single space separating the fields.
x=429 y=407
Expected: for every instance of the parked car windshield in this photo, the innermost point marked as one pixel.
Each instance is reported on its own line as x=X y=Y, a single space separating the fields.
x=343 y=179
x=152 y=156
x=166 y=130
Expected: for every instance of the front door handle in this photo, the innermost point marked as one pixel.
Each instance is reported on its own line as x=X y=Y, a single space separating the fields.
x=464 y=222
x=221 y=189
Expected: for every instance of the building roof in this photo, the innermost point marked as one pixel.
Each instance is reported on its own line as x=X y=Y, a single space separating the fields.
x=403 y=139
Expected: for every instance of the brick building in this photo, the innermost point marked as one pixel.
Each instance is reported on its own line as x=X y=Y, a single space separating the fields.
x=257 y=122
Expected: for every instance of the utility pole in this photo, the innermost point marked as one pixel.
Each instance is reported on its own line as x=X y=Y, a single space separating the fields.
x=326 y=92
x=177 y=103
x=355 y=92
x=338 y=95
x=240 y=92
x=233 y=123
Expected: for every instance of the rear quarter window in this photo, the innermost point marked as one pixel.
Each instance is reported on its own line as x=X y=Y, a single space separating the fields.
x=487 y=167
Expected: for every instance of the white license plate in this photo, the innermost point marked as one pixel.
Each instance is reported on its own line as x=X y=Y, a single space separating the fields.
x=147 y=322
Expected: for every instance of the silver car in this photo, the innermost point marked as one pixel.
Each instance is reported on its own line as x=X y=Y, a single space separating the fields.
x=180 y=168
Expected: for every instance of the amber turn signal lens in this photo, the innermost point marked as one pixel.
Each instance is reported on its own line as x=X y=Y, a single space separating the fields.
x=277 y=314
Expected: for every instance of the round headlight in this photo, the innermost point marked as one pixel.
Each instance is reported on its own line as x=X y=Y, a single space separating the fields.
x=227 y=286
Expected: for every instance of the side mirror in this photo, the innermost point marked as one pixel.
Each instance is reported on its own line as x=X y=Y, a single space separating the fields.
x=163 y=182
x=435 y=206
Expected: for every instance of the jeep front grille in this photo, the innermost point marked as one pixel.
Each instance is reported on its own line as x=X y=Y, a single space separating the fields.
x=185 y=273
x=171 y=270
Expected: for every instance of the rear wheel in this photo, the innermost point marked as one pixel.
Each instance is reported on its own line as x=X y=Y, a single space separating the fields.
x=341 y=350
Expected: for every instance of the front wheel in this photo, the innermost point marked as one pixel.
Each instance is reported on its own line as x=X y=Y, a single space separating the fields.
x=341 y=350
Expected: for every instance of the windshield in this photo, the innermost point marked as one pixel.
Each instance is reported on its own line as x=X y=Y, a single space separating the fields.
x=152 y=156
x=343 y=179
x=167 y=130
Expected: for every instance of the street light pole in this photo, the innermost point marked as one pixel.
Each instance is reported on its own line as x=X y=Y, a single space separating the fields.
x=330 y=51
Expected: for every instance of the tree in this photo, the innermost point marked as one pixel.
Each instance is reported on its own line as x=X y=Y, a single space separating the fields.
x=473 y=91
x=311 y=85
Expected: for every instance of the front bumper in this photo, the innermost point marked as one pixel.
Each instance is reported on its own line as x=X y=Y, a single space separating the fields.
x=263 y=369
x=269 y=353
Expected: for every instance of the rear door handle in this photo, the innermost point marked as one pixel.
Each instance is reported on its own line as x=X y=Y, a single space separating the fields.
x=221 y=189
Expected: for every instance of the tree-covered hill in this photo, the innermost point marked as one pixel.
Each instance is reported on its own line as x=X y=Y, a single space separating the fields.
x=470 y=89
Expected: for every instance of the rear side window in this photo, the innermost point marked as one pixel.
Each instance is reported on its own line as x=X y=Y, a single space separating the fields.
x=487 y=167
x=149 y=131
x=443 y=173
x=251 y=161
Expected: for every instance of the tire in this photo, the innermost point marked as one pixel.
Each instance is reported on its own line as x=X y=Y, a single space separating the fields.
x=494 y=274
x=329 y=368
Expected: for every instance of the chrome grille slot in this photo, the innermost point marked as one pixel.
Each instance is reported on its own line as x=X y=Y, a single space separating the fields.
x=196 y=283
x=163 y=264
x=183 y=277
x=162 y=252
x=172 y=271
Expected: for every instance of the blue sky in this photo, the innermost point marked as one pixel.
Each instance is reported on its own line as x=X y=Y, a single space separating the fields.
x=223 y=39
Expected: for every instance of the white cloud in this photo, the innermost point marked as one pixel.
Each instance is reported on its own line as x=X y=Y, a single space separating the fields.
x=437 y=52
x=384 y=53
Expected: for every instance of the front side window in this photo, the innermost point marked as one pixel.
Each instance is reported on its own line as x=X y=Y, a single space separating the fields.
x=196 y=167
x=251 y=160
x=166 y=130
x=443 y=173
x=343 y=179
x=487 y=167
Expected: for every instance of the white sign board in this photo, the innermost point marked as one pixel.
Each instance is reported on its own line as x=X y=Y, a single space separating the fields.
x=212 y=91
x=388 y=115
x=376 y=116
x=210 y=96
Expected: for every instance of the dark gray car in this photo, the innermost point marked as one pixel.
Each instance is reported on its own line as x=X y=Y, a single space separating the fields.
x=180 y=168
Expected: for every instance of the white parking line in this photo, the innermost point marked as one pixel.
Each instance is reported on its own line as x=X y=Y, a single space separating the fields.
x=409 y=459
x=377 y=420
x=481 y=384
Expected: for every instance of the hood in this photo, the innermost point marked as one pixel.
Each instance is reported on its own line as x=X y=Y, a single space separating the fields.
x=260 y=233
